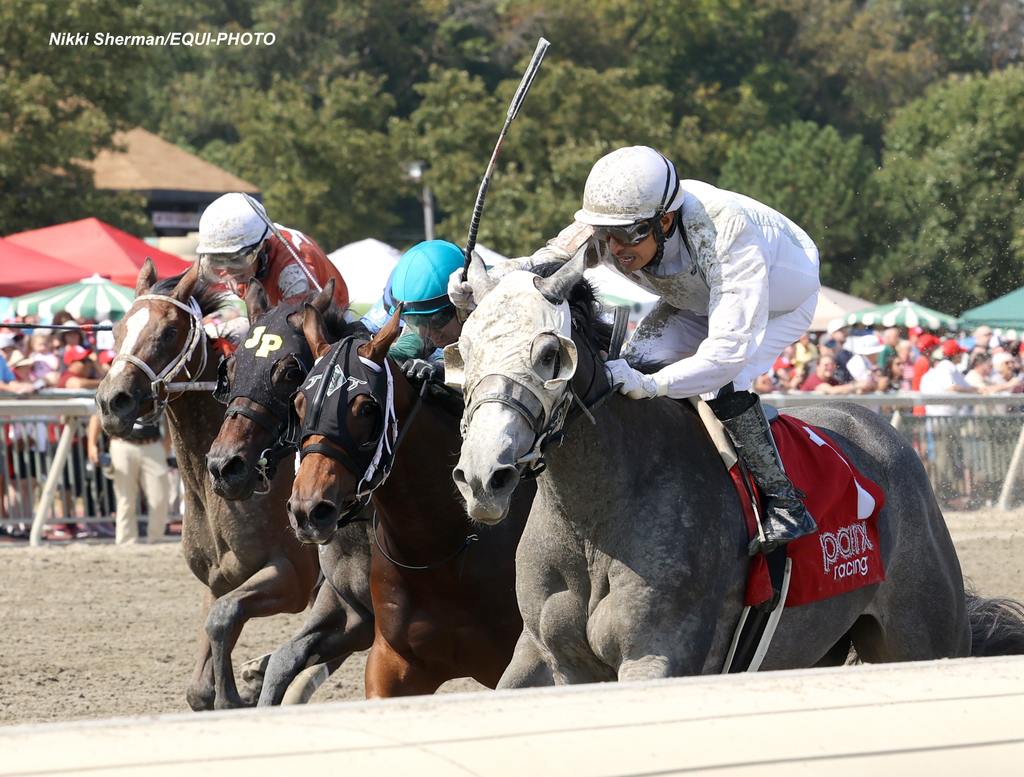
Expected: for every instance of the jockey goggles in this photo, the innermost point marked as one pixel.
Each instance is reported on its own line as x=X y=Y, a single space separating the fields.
x=232 y=263
x=630 y=235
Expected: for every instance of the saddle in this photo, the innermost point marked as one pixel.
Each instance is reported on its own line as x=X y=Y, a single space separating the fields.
x=842 y=556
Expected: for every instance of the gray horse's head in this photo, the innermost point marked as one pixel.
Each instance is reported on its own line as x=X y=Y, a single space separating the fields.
x=515 y=359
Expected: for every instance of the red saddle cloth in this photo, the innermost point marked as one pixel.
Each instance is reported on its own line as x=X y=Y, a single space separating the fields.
x=843 y=555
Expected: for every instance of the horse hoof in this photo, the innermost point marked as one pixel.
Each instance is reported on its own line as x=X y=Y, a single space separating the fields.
x=200 y=699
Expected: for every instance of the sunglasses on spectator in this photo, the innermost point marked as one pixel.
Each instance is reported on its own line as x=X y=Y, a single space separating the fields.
x=630 y=235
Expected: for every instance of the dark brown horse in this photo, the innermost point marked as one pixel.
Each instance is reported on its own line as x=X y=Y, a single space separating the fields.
x=243 y=552
x=445 y=603
x=257 y=383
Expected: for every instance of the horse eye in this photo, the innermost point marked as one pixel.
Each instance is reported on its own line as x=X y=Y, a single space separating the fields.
x=169 y=334
x=367 y=409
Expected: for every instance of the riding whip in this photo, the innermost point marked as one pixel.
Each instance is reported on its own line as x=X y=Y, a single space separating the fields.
x=513 y=111
x=277 y=233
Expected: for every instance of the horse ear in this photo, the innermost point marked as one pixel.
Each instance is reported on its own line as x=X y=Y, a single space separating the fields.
x=479 y=278
x=314 y=330
x=557 y=287
x=146 y=279
x=188 y=282
x=323 y=297
x=256 y=302
x=377 y=349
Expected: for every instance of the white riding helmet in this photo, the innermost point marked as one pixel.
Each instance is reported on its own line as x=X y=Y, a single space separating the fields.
x=629 y=185
x=229 y=224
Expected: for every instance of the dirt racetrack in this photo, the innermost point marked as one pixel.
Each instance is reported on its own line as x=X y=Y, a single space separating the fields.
x=93 y=630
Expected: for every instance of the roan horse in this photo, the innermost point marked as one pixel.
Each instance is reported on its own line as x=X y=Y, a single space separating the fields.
x=243 y=552
x=258 y=381
x=634 y=560
x=445 y=604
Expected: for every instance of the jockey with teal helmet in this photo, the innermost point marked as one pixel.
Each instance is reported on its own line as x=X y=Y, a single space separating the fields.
x=420 y=283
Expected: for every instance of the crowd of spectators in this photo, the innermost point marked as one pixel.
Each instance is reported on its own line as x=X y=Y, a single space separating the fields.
x=39 y=358
x=34 y=359
x=895 y=359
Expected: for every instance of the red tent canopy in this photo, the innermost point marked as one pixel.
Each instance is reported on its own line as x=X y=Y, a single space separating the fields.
x=23 y=270
x=95 y=247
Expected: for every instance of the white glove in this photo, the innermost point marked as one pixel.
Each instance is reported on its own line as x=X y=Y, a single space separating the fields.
x=632 y=383
x=460 y=292
x=234 y=330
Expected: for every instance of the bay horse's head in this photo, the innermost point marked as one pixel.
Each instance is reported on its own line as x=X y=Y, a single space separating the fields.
x=159 y=341
x=346 y=415
x=257 y=382
x=517 y=359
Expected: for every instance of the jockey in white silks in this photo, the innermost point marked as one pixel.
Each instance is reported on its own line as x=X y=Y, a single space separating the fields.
x=738 y=282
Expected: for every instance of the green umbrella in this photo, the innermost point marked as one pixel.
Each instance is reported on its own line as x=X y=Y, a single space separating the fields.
x=94 y=297
x=903 y=313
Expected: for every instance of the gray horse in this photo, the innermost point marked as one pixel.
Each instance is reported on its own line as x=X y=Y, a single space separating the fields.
x=633 y=563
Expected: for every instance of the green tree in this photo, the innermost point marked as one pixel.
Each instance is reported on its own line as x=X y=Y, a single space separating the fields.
x=950 y=221
x=323 y=162
x=59 y=106
x=819 y=180
x=572 y=116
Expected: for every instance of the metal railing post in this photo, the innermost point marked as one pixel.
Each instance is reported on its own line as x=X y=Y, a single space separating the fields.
x=1013 y=473
x=52 y=478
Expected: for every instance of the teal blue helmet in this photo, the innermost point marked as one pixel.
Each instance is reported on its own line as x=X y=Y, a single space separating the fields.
x=420 y=279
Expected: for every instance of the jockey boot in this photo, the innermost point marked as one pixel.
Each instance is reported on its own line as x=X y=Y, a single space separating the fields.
x=786 y=518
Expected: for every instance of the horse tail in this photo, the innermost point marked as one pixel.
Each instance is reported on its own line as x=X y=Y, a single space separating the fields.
x=997 y=626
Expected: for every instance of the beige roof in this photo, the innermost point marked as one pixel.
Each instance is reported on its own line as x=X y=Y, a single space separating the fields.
x=150 y=162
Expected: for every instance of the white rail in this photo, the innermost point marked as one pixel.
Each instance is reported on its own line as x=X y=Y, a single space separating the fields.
x=959 y=717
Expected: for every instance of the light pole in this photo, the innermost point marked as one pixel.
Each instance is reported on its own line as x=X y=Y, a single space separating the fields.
x=414 y=171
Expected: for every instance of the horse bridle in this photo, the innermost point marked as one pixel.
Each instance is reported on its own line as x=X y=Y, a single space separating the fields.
x=376 y=467
x=160 y=386
x=283 y=431
x=547 y=429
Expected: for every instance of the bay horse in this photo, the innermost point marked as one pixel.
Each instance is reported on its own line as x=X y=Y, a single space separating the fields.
x=443 y=593
x=633 y=563
x=257 y=383
x=243 y=552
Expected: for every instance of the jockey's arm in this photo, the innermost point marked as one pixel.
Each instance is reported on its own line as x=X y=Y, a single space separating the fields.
x=737 y=315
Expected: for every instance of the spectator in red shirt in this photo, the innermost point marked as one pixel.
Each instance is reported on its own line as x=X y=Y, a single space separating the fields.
x=79 y=369
x=926 y=343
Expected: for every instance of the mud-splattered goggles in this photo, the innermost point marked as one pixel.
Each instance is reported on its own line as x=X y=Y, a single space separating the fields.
x=630 y=235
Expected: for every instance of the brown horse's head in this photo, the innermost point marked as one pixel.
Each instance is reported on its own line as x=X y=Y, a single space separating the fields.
x=257 y=382
x=327 y=487
x=159 y=339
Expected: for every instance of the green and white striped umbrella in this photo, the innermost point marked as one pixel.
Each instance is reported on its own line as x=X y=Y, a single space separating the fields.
x=94 y=297
x=903 y=313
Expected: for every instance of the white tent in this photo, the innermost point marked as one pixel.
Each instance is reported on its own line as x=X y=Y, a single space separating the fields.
x=834 y=304
x=366 y=266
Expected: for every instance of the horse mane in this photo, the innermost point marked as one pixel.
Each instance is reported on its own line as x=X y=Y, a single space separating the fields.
x=585 y=307
x=209 y=299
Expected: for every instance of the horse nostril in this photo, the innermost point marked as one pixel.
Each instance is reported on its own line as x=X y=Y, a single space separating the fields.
x=121 y=403
x=323 y=514
x=459 y=476
x=502 y=478
x=233 y=469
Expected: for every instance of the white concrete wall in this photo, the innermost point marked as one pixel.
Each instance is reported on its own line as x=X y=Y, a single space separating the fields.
x=963 y=718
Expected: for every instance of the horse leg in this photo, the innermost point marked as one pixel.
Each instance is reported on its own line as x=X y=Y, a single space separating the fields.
x=644 y=668
x=389 y=674
x=915 y=620
x=200 y=693
x=527 y=669
x=273 y=589
x=335 y=629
